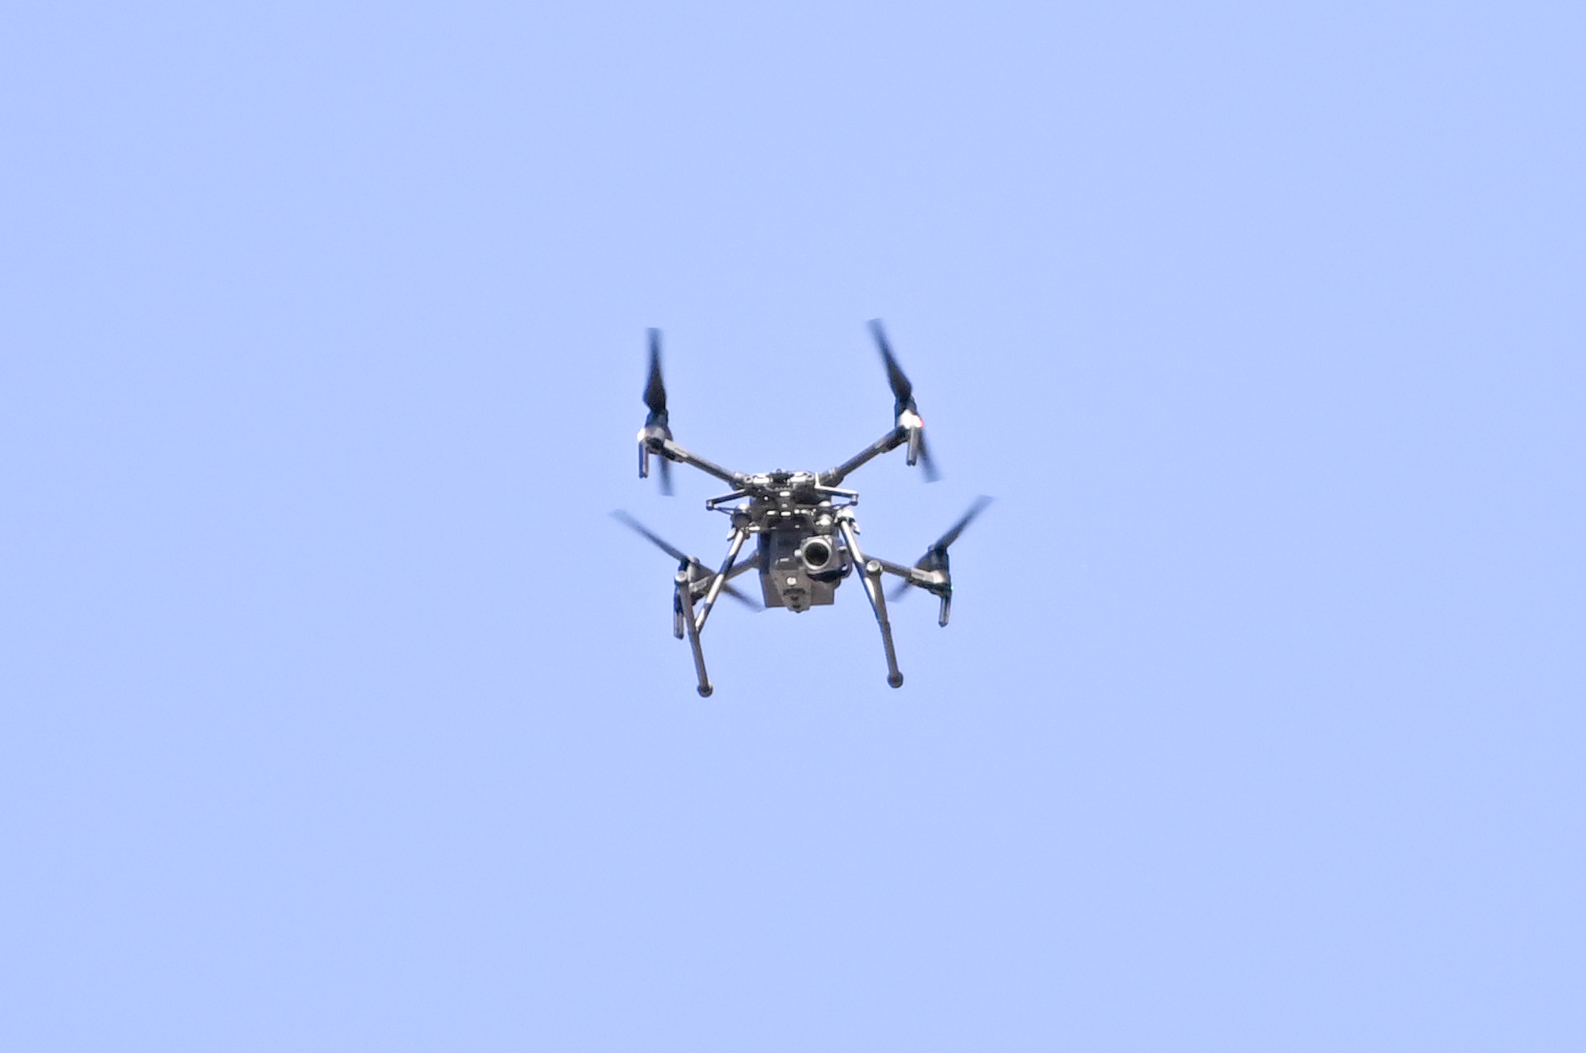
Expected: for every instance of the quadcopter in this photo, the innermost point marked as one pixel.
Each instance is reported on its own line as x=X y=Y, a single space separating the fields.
x=806 y=535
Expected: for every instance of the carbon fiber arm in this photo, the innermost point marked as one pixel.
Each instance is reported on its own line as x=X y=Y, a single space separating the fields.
x=888 y=442
x=673 y=452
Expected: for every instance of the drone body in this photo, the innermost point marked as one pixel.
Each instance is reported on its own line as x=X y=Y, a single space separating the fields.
x=803 y=524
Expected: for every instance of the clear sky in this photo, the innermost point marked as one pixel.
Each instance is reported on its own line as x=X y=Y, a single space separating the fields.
x=338 y=714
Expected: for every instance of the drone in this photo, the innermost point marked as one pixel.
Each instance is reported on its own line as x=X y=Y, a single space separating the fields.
x=807 y=540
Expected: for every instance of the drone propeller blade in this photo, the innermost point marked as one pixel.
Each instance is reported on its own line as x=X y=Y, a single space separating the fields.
x=671 y=550
x=958 y=528
x=902 y=390
x=908 y=415
x=655 y=425
x=935 y=558
x=741 y=598
x=655 y=389
x=684 y=560
x=931 y=474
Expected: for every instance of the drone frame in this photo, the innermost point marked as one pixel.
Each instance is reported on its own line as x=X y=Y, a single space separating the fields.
x=757 y=499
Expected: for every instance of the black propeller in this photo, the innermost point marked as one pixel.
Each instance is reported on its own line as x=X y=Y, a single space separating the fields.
x=655 y=399
x=695 y=569
x=655 y=390
x=684 y=560
x=903 y=403
x=902 y=390
x=935 y=557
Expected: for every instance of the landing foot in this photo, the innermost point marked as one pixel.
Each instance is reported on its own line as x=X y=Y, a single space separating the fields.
x=895 y=679
x=705 y=690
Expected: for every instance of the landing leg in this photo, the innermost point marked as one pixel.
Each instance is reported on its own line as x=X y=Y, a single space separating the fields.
x=871 y=576
x=685 y=599
x=878 y=600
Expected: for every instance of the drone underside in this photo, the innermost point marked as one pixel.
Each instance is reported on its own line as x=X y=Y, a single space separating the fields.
x=805 y=534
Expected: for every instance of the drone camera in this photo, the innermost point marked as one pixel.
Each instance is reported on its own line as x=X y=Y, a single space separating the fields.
x=802 y=570
x=821 y=559
x=817 y=554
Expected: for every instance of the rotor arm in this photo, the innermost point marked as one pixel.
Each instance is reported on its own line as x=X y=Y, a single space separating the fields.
x=656 y=435
x=934 y=581
x=673 y=452
x=887 y=443
x=930 y=580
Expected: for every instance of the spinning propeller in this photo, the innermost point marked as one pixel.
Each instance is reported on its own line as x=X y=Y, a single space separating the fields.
x=655 y=425
x=698 y=573
x=903 y=408
x=935 y=558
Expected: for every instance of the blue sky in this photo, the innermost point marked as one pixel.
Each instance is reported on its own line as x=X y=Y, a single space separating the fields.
x=338 y=713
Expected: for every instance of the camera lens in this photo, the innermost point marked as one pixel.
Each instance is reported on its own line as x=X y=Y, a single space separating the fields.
x=817 y=553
